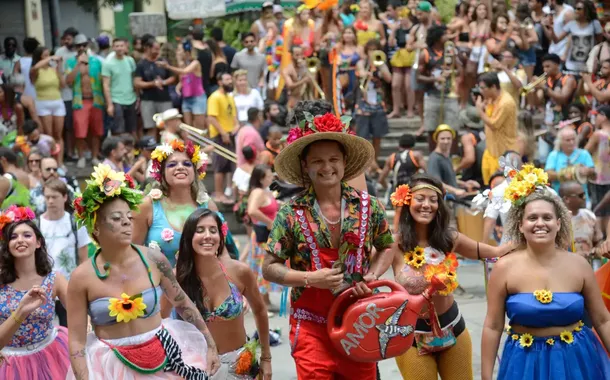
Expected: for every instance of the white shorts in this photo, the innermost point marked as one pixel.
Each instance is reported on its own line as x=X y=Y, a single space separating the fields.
x=50 y=107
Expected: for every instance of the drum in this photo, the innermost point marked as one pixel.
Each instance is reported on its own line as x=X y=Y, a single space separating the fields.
x=377 y=327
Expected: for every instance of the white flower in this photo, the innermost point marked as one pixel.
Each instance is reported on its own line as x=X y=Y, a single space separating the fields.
x=480 y=201
x=433 y=256
x=203 y=159
x=155 y=194
x=166 y=148
x=153 y=244
x=10 y=215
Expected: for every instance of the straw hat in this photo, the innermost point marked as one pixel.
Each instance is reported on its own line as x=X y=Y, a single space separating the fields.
x=470 y=117
x=359 y=152
x=442 y=128
x=170 y=114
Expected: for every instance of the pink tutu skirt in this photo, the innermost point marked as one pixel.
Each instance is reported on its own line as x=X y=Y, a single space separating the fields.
x=104 y=364
x=47 y=360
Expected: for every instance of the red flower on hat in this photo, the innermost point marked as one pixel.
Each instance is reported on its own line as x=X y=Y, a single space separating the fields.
x=328 y=123
x=130 y=182
x=294 y=134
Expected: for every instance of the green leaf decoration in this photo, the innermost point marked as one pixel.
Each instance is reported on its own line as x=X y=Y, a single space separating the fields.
x=9 y=138
x=302 y=124
x=308 y=117
x=346 y=120
x=135 y=296
x=343 y=251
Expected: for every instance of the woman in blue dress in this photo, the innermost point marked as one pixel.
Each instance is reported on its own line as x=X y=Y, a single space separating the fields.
x=178 y=168
x=544 y=290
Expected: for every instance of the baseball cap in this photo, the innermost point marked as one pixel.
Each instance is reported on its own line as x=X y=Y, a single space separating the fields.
x=147 y=143
x=267 y=4
x=278 y=9
x=103 y=41
x=424 y=6
x=80 y=39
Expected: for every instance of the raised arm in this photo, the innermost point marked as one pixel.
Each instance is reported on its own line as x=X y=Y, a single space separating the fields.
x=184 y=306
x=475 y=250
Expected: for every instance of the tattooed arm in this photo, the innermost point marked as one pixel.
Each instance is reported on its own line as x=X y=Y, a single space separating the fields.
x=184 y=306
x=275 y=270
x=77 y=318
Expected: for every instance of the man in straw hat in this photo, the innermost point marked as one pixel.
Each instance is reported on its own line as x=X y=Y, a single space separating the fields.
x=321 y=155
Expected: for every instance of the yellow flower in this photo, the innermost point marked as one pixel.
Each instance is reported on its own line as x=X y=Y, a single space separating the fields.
x=103 y=172
x=196 y=157
x=550 y=341
x=418 y=251
x=417 y=262
x=508 y=329
x=577 y=328
x=544 y=296
x=526 y=340
x=408 y=257
x=567 y=337
x=527 y=168
x=581 y=323
x=126 y=308
x=530 y=178
x=515 y=336
x=202 y=175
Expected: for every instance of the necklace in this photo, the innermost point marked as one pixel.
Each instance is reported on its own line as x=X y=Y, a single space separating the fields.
x=331 y=224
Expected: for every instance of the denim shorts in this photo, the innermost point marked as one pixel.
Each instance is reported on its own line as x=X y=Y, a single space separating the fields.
x=197 y=105
x=528 y=57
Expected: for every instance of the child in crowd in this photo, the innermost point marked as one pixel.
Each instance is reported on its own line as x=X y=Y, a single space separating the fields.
x=273 y=146
x=45 y=144
x=129 y=159
x=142 y=165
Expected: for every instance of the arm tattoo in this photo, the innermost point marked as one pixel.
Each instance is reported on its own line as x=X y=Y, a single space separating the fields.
x=79 y=354
x=273 y=270
x=166 y=271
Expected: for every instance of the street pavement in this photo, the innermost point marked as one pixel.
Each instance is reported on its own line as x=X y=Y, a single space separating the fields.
x=472 y=305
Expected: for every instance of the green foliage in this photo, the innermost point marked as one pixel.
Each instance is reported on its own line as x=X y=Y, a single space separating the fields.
x=233 y=26
x=446 y=9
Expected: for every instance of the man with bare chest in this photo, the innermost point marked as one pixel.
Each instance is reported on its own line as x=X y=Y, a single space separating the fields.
x=299 y=83
x=84 y=75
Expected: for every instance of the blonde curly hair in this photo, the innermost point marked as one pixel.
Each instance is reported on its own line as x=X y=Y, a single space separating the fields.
x=516 y=214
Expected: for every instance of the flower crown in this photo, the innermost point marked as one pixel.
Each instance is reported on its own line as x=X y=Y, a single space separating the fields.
x=325 y=123
x=160 y=154
x=105 y=183
x=403 y=194
x=524 y=183
x=15 y=214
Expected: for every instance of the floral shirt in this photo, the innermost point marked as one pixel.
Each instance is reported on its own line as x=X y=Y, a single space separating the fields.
x=287 y=241
x=39 y=324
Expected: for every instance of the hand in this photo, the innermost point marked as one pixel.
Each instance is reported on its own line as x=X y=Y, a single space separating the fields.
x=226 y=139
x=586 y=77
x=361 y=289
x=32 y=300
x=270 y=225
x=473 y=184
x=57 y=58
x=83 y=59
x=159 y=83
x=265 y=370
x=162 y=64
x=327 y=278
x=460 y=193
x=213 y=360
x=110 y=110
x=480 y=103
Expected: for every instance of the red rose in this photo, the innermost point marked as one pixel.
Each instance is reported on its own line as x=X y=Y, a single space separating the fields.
x=78 y=205
x=352 y=239
x=328 y=123
x=294 y=134
x=130 y=183
x=190 y=149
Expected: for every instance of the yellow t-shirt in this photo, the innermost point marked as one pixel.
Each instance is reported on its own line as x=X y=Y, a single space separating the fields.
x=501 y=135
x=222 y=106
x=47 y=84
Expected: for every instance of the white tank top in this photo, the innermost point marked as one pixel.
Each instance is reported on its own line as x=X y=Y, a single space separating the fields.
x=26 y=64
x=560 y=47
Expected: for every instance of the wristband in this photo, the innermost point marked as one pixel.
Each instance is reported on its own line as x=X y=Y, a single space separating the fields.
x=265 y=358
x=19 y=321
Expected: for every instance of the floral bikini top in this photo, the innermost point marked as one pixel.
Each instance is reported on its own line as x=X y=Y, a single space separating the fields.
x=429 y=262
x=230 y=308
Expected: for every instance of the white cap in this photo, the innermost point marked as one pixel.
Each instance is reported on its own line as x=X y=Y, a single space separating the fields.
x=169 y=114
x=278 y=9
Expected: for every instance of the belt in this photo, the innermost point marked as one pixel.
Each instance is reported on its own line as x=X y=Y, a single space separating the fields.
x=29 y=349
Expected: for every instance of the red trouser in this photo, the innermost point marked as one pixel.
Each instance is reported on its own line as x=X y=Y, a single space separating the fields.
x=317 y=359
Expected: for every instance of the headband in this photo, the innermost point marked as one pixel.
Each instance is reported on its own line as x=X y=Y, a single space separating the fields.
x=427 y=186
x=403 y=194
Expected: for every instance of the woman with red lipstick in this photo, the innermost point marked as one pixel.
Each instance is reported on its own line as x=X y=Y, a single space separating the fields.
x=424 y=248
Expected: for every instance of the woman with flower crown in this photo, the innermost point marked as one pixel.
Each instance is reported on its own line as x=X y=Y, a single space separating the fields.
x=423 y=249
x=120 y=290
x=31 y=346
x=179 y=169
x=544 y=290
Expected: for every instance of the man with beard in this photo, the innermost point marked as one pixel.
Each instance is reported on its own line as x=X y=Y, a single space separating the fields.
x=10 y=56
x=49 y=170
x=84 y=75
x=599 y=89
x=152 y=81
x=222 y=116
x=251 y=61
x=306 y=229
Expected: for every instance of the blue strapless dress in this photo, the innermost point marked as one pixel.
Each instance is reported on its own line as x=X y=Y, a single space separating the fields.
x=583 y=359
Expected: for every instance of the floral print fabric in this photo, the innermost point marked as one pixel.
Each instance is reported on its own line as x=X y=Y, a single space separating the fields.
x=288 y=242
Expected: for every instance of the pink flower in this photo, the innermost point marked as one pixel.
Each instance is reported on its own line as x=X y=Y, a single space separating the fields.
x=225 y=229
x=155 y=194
x=167 y=235
x=294 y=134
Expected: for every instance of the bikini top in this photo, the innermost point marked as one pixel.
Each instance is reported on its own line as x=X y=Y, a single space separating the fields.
x=230 y=308
x=100 y=315
x=564 y=309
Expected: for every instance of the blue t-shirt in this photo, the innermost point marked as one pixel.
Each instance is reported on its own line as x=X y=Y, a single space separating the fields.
x=558 y=160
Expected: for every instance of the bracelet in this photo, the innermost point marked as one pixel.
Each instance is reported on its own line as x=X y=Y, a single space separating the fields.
x=14 y=316
x=265 y=358
x=306 y=281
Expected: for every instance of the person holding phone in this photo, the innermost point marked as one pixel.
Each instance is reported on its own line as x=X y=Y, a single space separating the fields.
x=84 y=75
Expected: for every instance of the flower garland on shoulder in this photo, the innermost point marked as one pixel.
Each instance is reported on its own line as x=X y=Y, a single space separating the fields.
x=14 y=214
x=194 y=152
x=326 y=123
x=104 y=184
x=274 y=50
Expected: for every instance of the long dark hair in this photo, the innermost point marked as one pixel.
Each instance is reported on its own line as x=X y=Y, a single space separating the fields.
x=37 y=54
x=44 y=263
x=440 y=235
x=186 y=271
x=256 y=178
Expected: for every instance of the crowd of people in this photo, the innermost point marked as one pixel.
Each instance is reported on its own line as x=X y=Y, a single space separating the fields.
x=131 y=271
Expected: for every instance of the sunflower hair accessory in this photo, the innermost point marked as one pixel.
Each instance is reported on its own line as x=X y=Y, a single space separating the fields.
x=524 y=183
x=15 y=214
x=104 y=184
x=194 y=152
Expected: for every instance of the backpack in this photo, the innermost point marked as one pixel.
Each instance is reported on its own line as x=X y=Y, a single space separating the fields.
x=402 y=169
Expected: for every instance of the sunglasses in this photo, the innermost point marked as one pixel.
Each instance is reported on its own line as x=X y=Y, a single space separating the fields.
x=34 y=161
x=81 y=45
x=51 y=169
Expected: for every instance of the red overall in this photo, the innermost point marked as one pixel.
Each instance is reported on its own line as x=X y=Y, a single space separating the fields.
x=312 y=350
